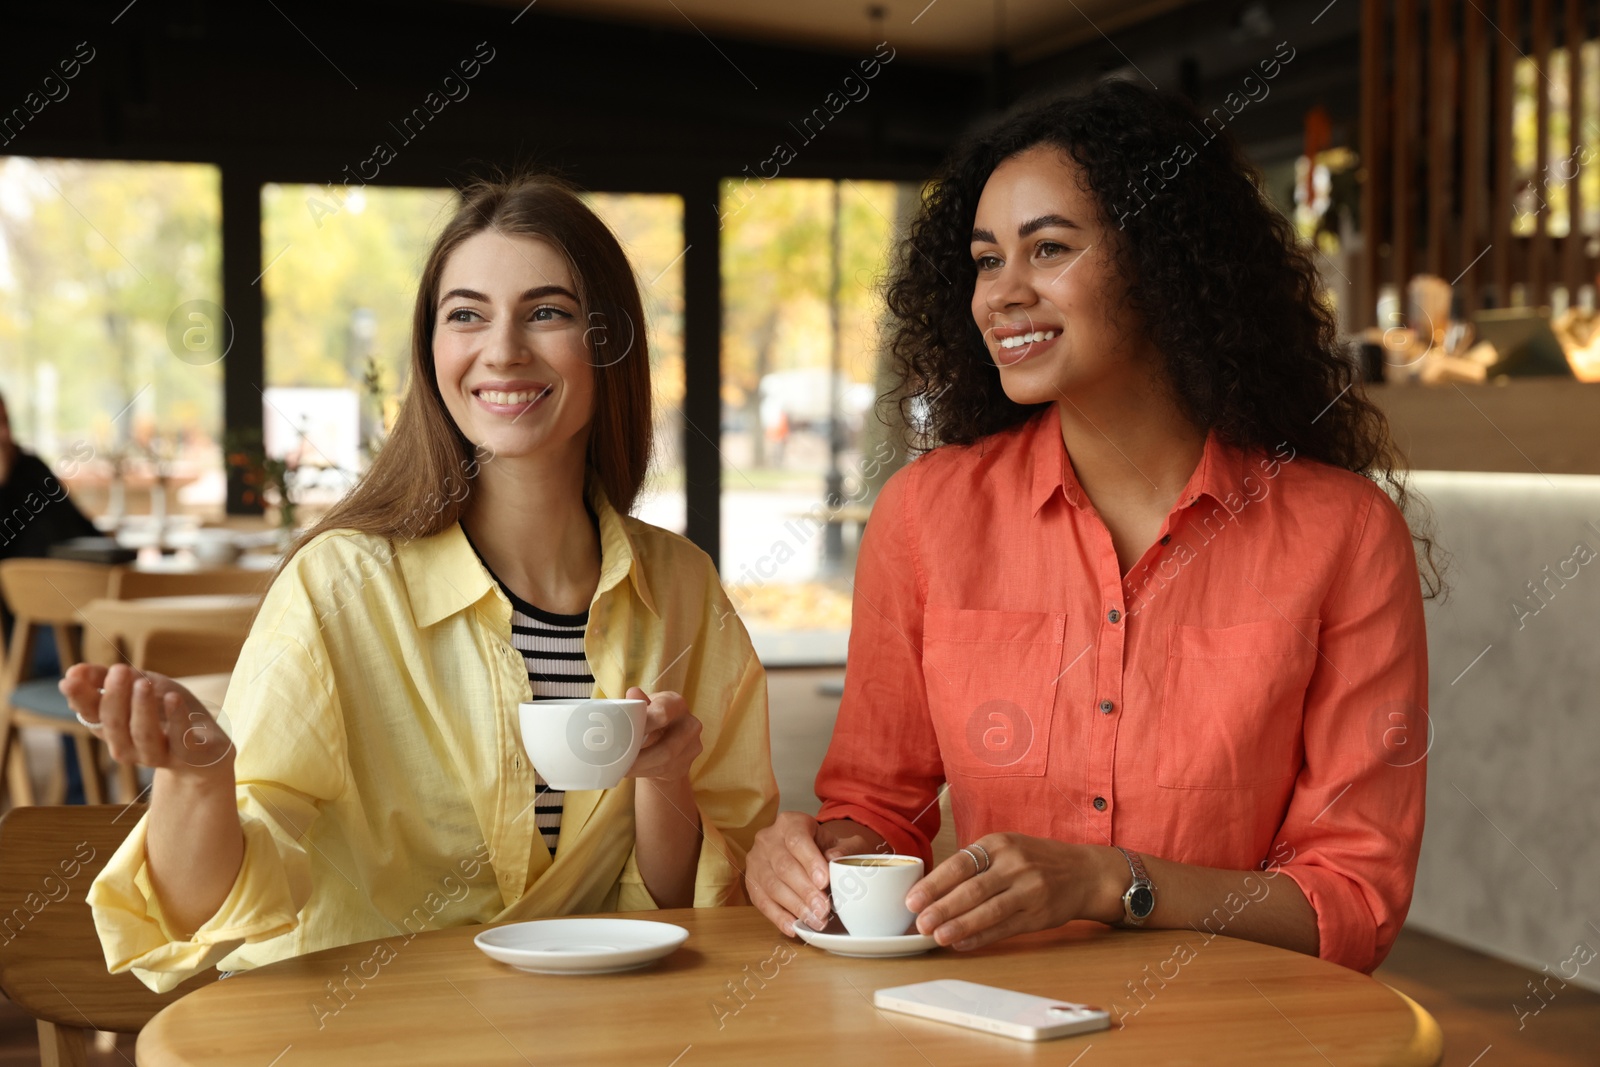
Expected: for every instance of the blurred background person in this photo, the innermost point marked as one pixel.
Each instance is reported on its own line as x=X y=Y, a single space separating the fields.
x=35 y=511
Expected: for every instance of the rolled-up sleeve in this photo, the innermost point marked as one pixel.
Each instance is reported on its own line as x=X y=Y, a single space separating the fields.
x=883 y=768
x=718 y=878
x=734 y=787
x=290 y=757
x=1353 y=829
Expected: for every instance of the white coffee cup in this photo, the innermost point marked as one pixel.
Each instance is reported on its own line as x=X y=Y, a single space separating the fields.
x=215 y=549
x=869 y=893
x=582 y=743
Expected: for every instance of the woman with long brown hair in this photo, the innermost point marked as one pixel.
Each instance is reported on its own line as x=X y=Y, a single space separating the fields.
x=374 y=782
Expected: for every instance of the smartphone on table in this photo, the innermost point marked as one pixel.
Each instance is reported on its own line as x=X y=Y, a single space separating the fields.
x=992 y=1009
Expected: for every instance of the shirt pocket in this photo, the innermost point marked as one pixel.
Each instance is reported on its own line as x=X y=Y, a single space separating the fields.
x=991 y=682
x=1232 y=704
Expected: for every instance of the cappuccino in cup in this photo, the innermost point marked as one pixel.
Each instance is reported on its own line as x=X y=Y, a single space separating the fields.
x=869 y=893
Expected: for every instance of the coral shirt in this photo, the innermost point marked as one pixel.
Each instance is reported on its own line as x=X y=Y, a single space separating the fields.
x=1251 y=693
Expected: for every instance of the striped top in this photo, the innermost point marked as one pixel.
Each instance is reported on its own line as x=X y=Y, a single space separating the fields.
x=552 y=647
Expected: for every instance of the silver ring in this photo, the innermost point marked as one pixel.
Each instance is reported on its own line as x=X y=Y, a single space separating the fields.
x=987 y=862
x=973 y=856
x=86 y=722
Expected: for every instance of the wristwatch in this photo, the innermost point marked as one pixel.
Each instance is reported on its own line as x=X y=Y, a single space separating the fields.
x=1140 y=899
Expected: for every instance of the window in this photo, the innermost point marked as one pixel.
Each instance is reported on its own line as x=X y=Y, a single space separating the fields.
x=650 y=228
x=799 y=401
x=339 y=280
x=111 y=338
x=1574 y=139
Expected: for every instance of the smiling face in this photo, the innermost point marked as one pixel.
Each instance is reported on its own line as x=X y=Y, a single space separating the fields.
x=1049 y=297
x=510 y=350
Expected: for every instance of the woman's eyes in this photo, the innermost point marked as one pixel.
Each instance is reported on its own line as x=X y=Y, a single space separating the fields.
x=543 y=313
x=1043 y=250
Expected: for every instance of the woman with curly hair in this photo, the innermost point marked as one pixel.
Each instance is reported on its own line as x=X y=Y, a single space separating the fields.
x=1147 y=612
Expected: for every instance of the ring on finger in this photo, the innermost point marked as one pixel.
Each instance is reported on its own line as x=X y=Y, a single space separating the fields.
x=976 y=863
x=981 y=851
x=86 y=722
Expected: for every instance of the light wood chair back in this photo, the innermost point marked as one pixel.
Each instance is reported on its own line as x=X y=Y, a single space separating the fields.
x=130 y=584
x=178 y=652
x=51 y=962
x=46 y=593
x=178 y=639
x=177 y=636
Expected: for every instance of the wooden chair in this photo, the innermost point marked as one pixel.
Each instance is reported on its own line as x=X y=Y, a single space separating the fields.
x=51 y=962
x=127 y=583
x=178 y=636
x=45 y=593
x=175 y=635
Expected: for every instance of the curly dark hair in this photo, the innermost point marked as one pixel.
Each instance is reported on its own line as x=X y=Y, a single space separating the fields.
x=1216 y=277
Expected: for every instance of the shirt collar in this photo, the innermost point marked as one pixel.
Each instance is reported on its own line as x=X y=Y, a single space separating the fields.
x=443 y=575
x=1219 y=474
x=1051 y=471
x=619 y=556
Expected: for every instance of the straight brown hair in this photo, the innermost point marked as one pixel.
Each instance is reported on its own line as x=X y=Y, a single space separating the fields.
x=422 y=478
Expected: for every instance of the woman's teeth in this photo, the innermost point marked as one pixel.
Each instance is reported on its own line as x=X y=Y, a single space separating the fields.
x=1027 y=338
x=494 y=396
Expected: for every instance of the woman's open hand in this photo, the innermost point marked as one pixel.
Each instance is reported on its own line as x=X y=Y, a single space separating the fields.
x=671 y=737
x=147 y=718
x=1031 y=883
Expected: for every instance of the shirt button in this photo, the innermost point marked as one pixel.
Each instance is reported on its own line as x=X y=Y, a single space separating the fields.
x=1167 y=538
x=1107 y=707
x=1114 y=615
x=1099 y=803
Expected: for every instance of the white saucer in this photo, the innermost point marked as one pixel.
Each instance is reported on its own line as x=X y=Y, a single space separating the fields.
x=580 y=946
x=866 y=947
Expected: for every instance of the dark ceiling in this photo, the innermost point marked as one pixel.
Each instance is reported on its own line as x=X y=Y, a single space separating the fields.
x=297 y=90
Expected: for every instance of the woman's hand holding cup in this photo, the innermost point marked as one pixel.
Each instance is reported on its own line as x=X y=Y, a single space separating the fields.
x=671 y=737
x=787 y=870
x=1006 y=884
x=147 y=718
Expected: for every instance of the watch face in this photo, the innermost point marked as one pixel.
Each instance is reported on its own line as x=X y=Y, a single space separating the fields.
x=1142 y=902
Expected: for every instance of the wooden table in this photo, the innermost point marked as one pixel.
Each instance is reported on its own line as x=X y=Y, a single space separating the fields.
x=738 y=992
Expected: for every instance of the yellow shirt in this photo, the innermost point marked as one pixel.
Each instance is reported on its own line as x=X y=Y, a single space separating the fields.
x=382 y=785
